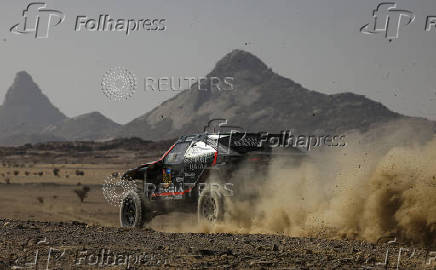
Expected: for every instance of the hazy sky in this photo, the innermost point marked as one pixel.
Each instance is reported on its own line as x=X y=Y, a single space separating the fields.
x=315 y=43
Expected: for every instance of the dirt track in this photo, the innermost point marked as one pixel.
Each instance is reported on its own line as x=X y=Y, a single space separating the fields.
x=79 y=246
x=48 y=197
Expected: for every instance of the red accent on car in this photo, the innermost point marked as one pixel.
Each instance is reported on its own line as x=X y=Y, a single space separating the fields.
x=170 y=193
x=163 y=156
x=215 y=158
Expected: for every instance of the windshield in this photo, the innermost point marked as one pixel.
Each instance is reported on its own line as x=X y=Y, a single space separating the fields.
x=176 y=155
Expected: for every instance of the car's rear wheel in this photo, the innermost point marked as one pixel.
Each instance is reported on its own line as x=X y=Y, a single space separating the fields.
x=135 y=210
x=210 y=206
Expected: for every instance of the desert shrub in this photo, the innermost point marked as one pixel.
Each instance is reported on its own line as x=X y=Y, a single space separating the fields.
x=40 y=200
x=27 y=173
x=80 y=173
x=41 y=173
x=82 y=193
x=7 y=181
x=56 y=171
x=16 y=173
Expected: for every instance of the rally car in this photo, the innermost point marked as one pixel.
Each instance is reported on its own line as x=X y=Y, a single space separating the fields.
x=196 y=174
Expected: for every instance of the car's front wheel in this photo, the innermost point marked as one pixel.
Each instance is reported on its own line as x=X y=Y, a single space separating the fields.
x=134 y=210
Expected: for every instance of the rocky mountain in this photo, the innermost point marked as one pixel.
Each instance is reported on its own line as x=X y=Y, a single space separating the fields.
x=260 y=100
x=28 y=116
x=240 y=88
x=26 y=109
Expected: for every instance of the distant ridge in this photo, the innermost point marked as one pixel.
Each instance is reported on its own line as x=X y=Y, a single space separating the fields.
x=261 y=100
x=28 y=116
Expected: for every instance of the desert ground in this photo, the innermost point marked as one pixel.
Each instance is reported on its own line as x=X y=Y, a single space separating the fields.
x=77 y=245
x=45 y=225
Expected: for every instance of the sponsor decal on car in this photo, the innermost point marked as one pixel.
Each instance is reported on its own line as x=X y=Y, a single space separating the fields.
x=166 y=177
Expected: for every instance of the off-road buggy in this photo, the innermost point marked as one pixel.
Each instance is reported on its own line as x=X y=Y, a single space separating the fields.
x=196 y=174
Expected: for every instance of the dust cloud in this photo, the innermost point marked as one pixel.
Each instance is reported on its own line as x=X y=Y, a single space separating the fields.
x=382 y=183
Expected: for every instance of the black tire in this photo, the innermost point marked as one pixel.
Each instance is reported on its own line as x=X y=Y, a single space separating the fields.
x=135 y=210
x=210 y=207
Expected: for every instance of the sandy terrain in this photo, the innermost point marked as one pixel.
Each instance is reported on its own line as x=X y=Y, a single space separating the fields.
x=39 y=210
x=79 y=246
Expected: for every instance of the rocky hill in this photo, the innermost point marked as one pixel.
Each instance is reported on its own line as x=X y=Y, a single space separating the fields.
x=28 y=116
x=260 y=100
x=26 y=110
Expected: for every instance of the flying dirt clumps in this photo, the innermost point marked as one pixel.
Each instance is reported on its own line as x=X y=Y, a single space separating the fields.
x=382 y=184
x=402 y=196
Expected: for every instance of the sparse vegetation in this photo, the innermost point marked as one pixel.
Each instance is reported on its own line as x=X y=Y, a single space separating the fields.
x=82 y=193
x=7 y=181
x=80 y=173
x=56 y=171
